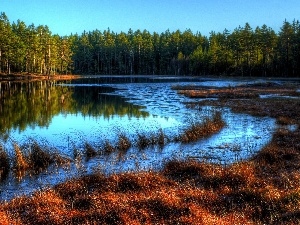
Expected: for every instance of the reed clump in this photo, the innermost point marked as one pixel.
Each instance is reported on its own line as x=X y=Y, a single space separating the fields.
x=20 y=164
x=199 y=130
x=142 y=141
x=108 y=147
x=161 y=138
x=39 y=158
x=90 y=151
x=34 y=158
x=124 y=144
x=61 y=160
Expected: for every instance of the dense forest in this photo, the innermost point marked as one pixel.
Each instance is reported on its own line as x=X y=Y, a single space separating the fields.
x=243 y=52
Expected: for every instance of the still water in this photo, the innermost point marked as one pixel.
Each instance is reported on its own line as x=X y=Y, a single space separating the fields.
x=67 y=114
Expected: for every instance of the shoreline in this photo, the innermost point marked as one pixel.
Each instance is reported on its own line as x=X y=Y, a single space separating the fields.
x=32 y=77
x=21 y=77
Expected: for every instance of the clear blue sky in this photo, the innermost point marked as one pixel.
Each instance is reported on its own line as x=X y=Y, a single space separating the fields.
x=74 y=16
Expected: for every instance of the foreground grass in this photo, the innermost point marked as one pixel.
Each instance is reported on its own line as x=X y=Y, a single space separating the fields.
x=263 y=190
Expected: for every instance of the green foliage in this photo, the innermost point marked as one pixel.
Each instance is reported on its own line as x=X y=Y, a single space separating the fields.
x=244 y=51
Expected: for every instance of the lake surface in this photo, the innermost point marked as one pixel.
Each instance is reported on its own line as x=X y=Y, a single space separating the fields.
x=67 y=114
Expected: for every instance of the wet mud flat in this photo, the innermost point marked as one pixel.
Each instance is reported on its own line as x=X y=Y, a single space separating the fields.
x=261 y=190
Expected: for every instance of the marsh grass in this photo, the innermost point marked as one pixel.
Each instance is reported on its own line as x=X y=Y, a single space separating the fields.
x=20 y=163
x=108 y=148
x=40 y=157
x=124 y=144
x=262 y=190
x=143 y=141
x=199 y=130
x=223 y=93
x=90 y=151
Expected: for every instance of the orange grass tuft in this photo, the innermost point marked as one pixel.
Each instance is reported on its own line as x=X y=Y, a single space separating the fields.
x=205 y=129
x=20 y=162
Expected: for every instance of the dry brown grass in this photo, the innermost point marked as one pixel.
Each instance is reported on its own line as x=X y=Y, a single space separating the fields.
x=30 y=159
x=20 y=164
x=263 y=190
x=199 y=130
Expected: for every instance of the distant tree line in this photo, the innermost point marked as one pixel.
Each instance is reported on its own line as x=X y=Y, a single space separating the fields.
x=243 y=52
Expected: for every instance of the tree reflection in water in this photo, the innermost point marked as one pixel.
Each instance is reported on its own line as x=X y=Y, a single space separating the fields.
x=34 y=104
